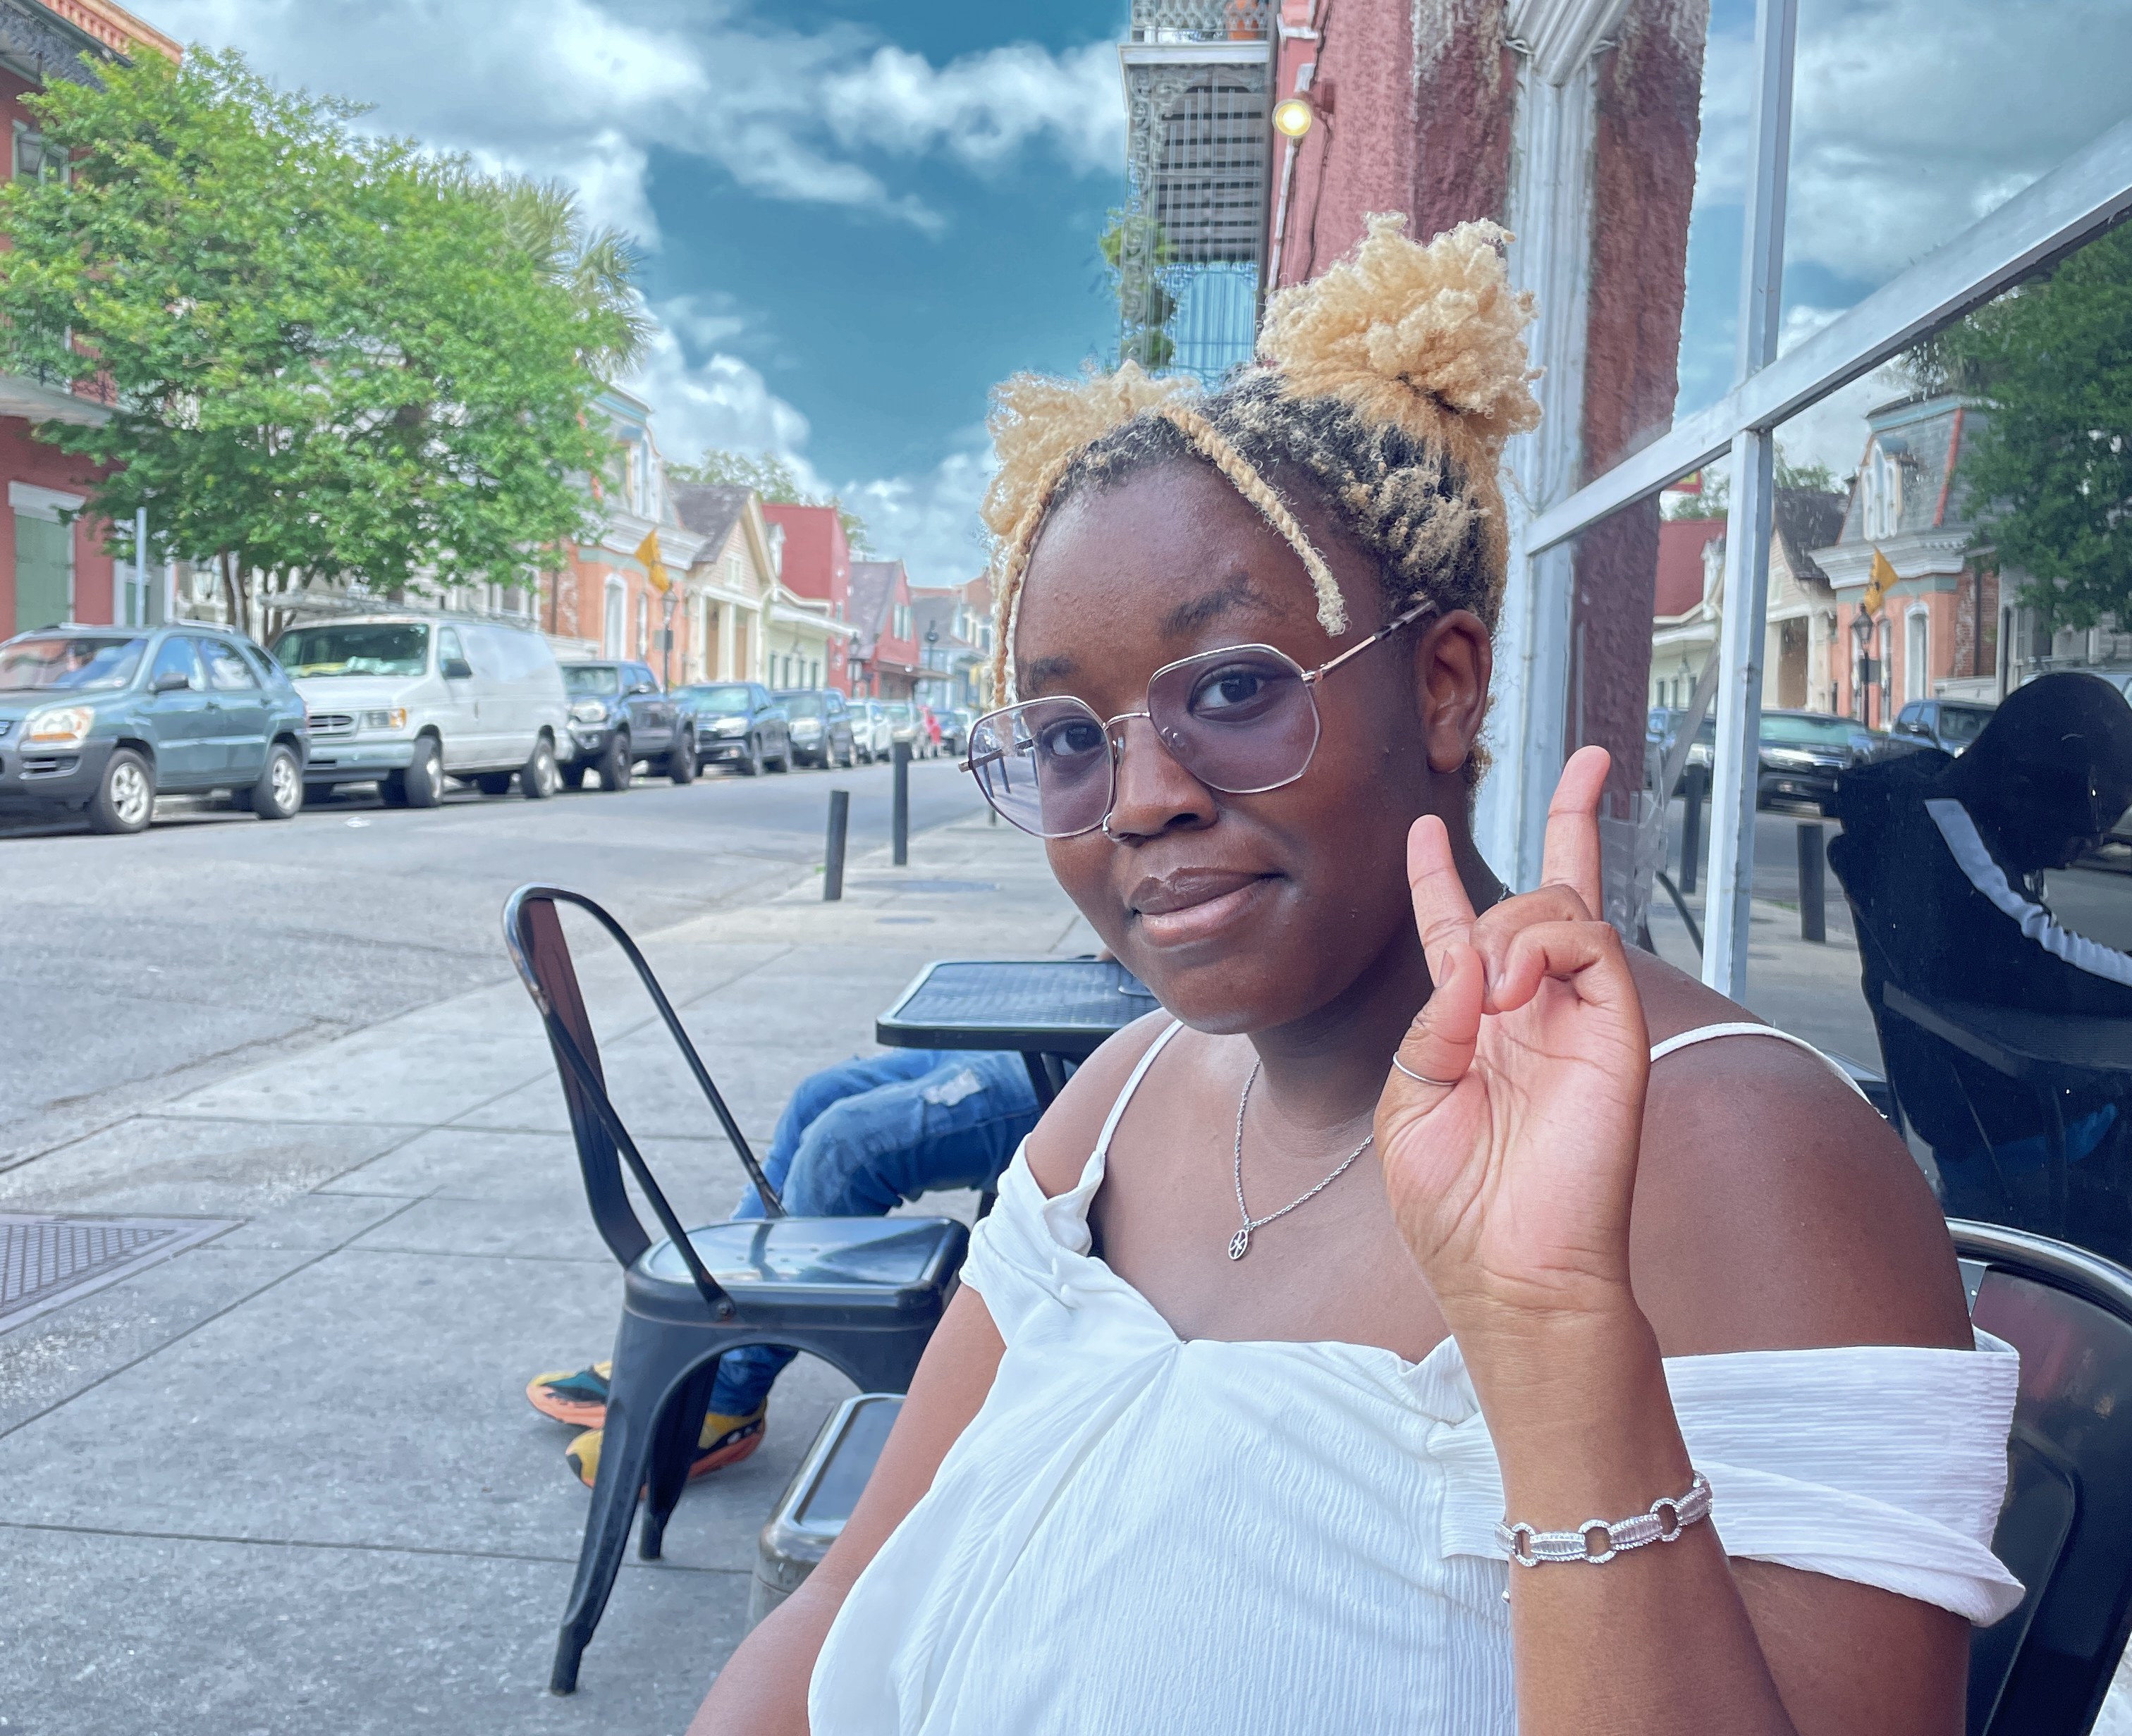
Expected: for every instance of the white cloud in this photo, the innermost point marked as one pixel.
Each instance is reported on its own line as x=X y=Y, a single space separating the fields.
x=586 y=89
x=718 y=401
x=930 y=520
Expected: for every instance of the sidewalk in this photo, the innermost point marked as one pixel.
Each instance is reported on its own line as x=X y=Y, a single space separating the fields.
x=288 y=1479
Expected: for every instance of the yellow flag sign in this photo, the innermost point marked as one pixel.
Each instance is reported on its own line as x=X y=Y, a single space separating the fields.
x=655 y=570
x=1877 y=584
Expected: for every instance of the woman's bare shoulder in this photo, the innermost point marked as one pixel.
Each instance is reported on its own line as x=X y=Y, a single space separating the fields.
x=1774 y=1208
x=1057 y=1149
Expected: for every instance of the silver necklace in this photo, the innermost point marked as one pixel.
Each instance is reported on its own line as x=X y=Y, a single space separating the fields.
x=1239 y=1244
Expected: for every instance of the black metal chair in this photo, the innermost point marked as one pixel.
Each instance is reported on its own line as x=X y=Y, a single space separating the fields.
x=863 y=1294
x=2045 y=1669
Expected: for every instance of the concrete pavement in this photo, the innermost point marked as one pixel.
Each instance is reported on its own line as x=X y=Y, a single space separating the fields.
x=288 y=1479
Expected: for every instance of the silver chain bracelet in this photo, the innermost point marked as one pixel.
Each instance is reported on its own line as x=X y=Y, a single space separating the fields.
x=1668 y=1516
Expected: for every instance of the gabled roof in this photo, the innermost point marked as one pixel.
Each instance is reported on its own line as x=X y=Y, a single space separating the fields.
x=1804 y=518
x=873 y=589
x=1681 y=543
x=709 y=509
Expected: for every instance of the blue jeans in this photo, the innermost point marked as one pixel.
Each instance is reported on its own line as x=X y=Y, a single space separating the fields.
x=857 y=1140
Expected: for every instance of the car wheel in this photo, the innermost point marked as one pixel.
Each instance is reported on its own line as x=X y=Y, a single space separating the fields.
x=784 y=760
x=494 y=783
x=573 y=776
x=751 y=762
x=279 y=793
x=125 y=799
x=681 y=762
x=537 y=778
x=422 y=784
x=616 y=764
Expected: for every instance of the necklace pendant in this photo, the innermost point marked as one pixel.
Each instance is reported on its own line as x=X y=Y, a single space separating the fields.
x=1239 y=1244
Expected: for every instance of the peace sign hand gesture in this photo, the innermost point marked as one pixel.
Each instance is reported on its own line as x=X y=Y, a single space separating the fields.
x=1511 y=1178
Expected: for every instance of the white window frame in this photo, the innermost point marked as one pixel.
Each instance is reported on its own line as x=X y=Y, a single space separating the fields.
x=2077 y=199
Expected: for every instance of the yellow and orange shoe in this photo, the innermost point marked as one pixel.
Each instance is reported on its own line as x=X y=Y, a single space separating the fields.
x=722 y=1441
x=578 y=1398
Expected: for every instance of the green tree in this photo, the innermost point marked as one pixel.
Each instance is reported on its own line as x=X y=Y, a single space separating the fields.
x=1138 y=250
x=2049 y=474
x=773 y=479
x=1716 y=499
x=326 y=354
x=596 y=267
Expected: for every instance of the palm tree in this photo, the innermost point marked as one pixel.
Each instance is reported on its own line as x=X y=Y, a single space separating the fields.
x=597 y=267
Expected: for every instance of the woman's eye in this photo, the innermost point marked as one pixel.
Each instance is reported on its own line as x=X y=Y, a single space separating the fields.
x=1228 y=694
x=1071 y=741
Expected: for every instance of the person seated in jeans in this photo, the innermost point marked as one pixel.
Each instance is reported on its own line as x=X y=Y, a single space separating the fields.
x=855 y=1141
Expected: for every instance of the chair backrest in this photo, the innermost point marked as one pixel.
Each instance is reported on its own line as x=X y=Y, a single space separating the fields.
x=2065 y=1529
x=533 y=932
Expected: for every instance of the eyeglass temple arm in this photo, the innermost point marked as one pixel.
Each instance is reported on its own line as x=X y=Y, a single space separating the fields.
x=1386 y=631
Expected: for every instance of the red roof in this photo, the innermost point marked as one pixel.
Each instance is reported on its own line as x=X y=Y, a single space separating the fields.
x=1681 y=542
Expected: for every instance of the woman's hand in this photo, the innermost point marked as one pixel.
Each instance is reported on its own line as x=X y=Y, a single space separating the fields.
x=1511 y=1183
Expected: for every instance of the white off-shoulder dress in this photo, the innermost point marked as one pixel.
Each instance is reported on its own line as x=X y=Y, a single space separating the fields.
x=1141 y=1533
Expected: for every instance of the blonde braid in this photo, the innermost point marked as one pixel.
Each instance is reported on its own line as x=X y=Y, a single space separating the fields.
x=1332 y=607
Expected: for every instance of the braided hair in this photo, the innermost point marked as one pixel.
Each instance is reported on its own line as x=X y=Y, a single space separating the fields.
x=1386 y=387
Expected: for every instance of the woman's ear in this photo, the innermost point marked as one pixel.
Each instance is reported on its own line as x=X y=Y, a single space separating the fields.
x=1453 y=660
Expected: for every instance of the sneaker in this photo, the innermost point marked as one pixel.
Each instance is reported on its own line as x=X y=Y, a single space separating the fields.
x=580 y=1398
x=722 y=1441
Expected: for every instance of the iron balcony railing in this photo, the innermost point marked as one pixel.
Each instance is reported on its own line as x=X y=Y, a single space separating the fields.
x=1202 y=20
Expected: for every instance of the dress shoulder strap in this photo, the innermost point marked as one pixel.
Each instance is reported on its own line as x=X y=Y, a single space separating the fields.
x=1743 y=1027
x=1131 y=1084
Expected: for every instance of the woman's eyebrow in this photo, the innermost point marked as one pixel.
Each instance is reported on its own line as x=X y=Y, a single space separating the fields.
x=1237 y=596
x=1041 y=670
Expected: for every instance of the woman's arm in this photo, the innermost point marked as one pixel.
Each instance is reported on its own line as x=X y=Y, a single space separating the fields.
x=1514 y=1187
x=762 y=1690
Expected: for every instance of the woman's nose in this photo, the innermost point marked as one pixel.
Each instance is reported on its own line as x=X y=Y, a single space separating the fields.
x=1155 y=793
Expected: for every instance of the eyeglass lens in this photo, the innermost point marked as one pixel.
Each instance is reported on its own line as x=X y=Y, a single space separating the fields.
x=1239 y=721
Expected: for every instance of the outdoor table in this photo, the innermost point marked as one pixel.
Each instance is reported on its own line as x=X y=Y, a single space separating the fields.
x=1051 y=1010
x=2048 y=1052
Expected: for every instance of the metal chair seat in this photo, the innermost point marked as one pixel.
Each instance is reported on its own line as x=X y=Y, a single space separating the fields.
x=880 y=1272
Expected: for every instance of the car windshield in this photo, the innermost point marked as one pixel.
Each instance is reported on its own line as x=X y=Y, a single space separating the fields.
x=1962 y=723
x=70 y=663
x=731 y=699
x=398 y=649
x=801 y=705
x=1808 y=731
x=591 y=678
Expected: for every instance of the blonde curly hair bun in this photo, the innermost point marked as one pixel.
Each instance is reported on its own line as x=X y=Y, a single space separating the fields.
x=1429 y=338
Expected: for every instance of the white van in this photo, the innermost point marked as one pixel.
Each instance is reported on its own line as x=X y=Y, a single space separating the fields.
x=406 y=701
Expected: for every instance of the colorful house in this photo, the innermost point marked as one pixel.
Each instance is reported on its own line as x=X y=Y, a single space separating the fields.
x=816 y=573
x=884 y=652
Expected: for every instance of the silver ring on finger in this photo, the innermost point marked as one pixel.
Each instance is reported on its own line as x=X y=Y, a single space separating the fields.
x=1442 y=1085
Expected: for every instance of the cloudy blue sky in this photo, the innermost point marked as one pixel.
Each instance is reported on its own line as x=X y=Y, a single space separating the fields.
x=859 y=214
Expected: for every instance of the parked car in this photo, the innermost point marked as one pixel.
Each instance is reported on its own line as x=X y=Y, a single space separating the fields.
x=406 y=701
x=872 y=733
x=1804 y=753
x=1949 y=725
x=903 y=726
x=820 y=723
x=621 y=718
x=955 y=731
x=101 y=721
x=737 y=723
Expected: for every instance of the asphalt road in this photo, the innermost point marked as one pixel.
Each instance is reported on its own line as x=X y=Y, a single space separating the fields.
x=135 y=967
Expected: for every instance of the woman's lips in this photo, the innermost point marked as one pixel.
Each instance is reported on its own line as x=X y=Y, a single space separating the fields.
x=1193 y=903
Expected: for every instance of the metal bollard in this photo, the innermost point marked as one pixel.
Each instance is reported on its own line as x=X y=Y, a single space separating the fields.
x=832 y=863
x=1693 y=782
x=901 y=756
x=1813 y=882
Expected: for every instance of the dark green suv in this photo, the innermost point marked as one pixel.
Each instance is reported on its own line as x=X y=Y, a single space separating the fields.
x=103 y=720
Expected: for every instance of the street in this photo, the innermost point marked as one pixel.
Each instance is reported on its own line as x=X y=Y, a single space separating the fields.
x=141 y=966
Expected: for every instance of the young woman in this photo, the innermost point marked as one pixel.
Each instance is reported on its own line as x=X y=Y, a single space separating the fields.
x=1402 y=1220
